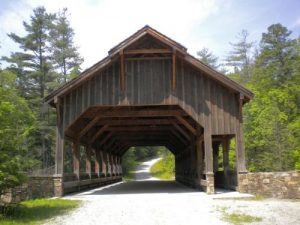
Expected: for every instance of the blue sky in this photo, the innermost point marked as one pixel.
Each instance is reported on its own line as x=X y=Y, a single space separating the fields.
x=99 y=25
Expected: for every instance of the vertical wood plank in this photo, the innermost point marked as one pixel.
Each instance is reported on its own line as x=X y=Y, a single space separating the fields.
x=122 y=75
x=173 y=71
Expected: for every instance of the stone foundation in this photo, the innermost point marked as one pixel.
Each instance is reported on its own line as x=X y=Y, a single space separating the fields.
x=271 y=184
x=35 y=187
x=210 y=183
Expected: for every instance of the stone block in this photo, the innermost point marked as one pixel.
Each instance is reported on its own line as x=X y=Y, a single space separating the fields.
x=266 y=181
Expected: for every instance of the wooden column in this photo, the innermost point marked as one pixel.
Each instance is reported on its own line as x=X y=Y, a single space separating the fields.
x=103 y=164
x=88 y=164
x=59 y=153
x=76 y=159
x=112 y=163
x=199 y=157
x=97 y=163
x=119 y=166
x=240 y=147
x=225 y=147
x=210 y=186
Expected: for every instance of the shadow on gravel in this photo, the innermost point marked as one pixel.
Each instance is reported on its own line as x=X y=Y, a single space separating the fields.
x=143 y=187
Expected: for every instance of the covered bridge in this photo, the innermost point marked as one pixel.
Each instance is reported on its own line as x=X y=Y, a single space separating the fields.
x=149 y=91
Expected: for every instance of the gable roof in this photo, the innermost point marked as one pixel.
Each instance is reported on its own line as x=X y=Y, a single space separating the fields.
x=147 y=30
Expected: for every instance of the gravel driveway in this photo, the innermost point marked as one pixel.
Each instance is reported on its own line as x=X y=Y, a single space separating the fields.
x=154 y=202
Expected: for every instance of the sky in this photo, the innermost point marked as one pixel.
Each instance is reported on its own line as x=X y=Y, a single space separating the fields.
x=99 y=25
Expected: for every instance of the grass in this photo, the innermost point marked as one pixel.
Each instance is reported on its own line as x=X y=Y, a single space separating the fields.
x=129 y=175
x=164 y=168
x=254 y=198
x=238 y=218
x=37 y=211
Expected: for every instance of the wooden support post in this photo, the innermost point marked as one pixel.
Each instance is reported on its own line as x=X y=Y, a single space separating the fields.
x=76 y=159
x=59 y=153
x=120 y=165
x=173 y=70
x=225 y=147
x=240 y=147
x=210 y=186
x=104 y=164
x=97 y=163
x=88 y=164
x=115 y=165
x=122 y=71
x=199 y=158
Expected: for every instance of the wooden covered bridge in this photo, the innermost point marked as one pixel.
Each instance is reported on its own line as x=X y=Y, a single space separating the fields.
x=149 y=91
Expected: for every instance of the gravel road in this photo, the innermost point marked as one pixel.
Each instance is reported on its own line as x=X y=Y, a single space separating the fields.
x=155 y=202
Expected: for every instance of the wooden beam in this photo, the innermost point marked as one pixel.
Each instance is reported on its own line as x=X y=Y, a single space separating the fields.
x=140 y=128
x=187 y=125
x=99 y=132
x=88 y=127
x=179 y=137
x=106 y=138
x=173 y=71
x=147 y=51
x=142 y=113
x=182 y=131
x=136 y=122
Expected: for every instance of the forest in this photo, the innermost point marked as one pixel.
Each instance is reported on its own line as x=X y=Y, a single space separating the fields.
x=47 y=58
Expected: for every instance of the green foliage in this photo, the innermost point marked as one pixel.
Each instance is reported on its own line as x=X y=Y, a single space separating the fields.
x=47 y=58
x=135 y=155
x=165 y=167
x=271 y=119
x=239 y=58
x=208 y=58
x=240 y=218
x=17 y=122
x=64 y=54
x=37 y=211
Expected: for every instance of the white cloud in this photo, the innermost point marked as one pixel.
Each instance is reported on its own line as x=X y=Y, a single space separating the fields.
x=100 y=25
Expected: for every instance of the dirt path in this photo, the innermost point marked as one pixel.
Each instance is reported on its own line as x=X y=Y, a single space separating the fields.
x=155 y=202
x=143 y=170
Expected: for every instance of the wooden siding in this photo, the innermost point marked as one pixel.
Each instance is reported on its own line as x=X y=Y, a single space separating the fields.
x=148 y=82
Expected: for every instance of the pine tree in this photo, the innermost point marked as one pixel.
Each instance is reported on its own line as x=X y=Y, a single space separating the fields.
x=278 y=53
x=207 y=57
x=33 y=63
x=64 y=54
x=240 y=57
x=272 y=118
x=35 y=75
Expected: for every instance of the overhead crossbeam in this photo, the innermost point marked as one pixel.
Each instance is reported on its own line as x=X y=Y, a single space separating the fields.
x=187 y=125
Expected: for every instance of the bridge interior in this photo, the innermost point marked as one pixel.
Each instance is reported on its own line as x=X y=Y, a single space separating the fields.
x=107 y=132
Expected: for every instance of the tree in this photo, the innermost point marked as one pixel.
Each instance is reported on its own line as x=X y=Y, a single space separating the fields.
x=16 y=123
x=240 y=57
x=65 y=55
x=272 y=118
x=35 y=75
x=278 y=54
x=208 y=58
x=35 y=45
